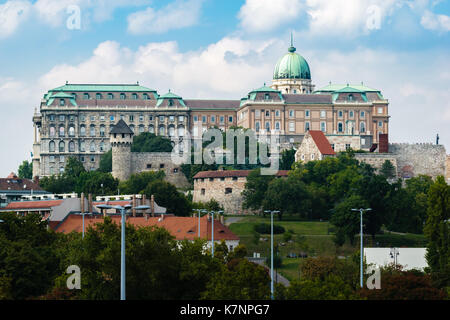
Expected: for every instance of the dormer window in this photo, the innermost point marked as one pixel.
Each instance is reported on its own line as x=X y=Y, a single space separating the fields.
x=267 y=96
x=122 y=96
x=146 y=96
x=134 y=96
x=86 y=96
x=98 y=96
x=350 y=97
x=110 y=96
x=170 y=102
x=62 y=102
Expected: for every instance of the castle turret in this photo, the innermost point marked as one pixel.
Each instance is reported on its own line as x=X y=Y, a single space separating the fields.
x=121 y=138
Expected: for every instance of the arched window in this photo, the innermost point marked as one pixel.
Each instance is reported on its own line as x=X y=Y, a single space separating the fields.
x=362 y=128
x=62 y=146
x=146 y=96
x=151 y=129
x=170 y=102
x=62 y=102
x=257 y=126
x=267 y=96
x=350 y=97
x=340 y=127
x=141 y=128
x=92 y=131
x=277 y=125
x=52 y=131
x=102 y=130
x=135 y=96
x=98 y=96
x=82 y=130
x=171 y=131
x=162 y=131
x=51 y=146
x=181 y=131
x=61 y=131
x=92 y=147
x=71 y=146
x=102 y=146
x=82 y=146
x=123 y=96
x=267 y=126
x=110 y=96
x=71 y=131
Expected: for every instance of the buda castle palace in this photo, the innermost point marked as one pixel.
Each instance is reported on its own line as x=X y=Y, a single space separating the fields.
x=74 y=120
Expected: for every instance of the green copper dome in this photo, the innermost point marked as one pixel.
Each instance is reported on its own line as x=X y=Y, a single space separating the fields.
x=292 y=66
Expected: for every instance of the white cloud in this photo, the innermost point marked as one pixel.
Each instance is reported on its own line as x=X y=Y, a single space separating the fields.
x=349 y=17
x=176 y=15
x=436 y=22
x=12 y=13
x=264 y=15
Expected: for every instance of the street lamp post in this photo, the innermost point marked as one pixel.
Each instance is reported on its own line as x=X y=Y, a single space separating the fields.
x=271 y=250
x=361 y=210
x=122 y=245
x=212 y=230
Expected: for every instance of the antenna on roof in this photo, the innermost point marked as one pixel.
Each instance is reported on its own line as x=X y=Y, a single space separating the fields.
x=67 y=82
x=137 y=82
x=292 y=41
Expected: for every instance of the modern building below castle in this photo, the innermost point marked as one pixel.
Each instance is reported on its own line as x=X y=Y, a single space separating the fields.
x=74 y=120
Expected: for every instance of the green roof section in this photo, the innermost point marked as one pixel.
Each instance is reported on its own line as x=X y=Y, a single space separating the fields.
x=169 y=95
x=252 y=94
x=103 y=87
x=264 y=89
x=60 y=95
x=337 y=87
x=292 y=66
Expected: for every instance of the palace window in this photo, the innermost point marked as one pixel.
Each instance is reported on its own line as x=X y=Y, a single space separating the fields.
x=340 y=113
x=102 y=131
x=141 y=117
x=51 y=146
x=380 y=123
x=195 y=118
x=111 y=118
x=82 y=130
x=146 y=96
x=62 y=146
x=170 y=102
x=213 y=119
x=131 y=117
x=52 y=131
x=61 y=131
x=86 y=96
x=134 y=96
x=162 y=131
x=151 y=129
x=267 y=126
x=228 y=190
x=292 y=126
x=161 y=118
x=82 y=146
x=307 y=126
x=323 y=114
x=141 y=128
x=71 y=146
x=123 y=96
x=92 y=147
x=340 y=127
x=71 y=131
x=307 y=113
x=363 y=114
x=257 y=113
x=277 y=113
x=230 y=119
x=62 y=102
x=92 y=131
x=362 y=127
x=277 y=125
x=202 y=191
x=180 y=118
x=98 y=96
x=351 y=114
x=102 y=146
x=222 y=119
x=323 y=126
x=110 y=96
x=350 y=97
x=257 y=126
x=62 y=117
x=267 y=96
x=291 y=113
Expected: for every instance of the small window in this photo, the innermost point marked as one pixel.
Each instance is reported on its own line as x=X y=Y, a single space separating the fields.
x=92 y=159
x=134 y=96
x=62 y=102
x=340 y=113
x=307 y=113
x=52 y=158
x=171 y=118
x=161 y=165
x=350 y=97
x=257 y=113
x=204 y=119
x=257 y=126
x=347 y=146
x=323 y=113
x=363 y=114
x=195 y=119
x=149 y=165
x=131 y=117
x=312 y=156
x=86 y=96
x=62 y=118
x=291 y=113
x=380 y=123
x=277 y=113
x=62 y=146
x=340 y=127
x=181 y=118
x=202 y=191
x=98 y=96
x=150 y=118
x=161 y=118
x=213 y=119
x=175 y=170
x=123 y=96
x=307 y=126
x=110 y=96
x=170 y=102
x=211 y=179
x=222 y=119
x=235 y=178
x=146 y=96
x=228 y=190
x=268 y=113
x=351 y=114
x=323 y=126
x=111 y=118
x=267 y=96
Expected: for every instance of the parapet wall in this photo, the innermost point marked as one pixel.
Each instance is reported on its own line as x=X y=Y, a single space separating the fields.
x=376 y=160
x=155 y=161
x=419 y=158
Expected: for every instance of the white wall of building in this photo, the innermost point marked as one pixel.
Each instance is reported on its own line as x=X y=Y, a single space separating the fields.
x=409 y=258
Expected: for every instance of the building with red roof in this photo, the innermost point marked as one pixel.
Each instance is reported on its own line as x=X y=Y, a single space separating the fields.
x=182 y=228
x=13 y=188
x=314 y=146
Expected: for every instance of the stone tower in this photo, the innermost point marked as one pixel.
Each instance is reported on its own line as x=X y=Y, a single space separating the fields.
x=121 y=138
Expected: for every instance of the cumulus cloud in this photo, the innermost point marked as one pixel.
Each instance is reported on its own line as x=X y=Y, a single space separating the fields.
x=12 y=13
x=435 y=22
x=264 y=15
x=176 y=15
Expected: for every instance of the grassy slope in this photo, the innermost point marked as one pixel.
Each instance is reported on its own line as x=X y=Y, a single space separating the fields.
x=319 y=242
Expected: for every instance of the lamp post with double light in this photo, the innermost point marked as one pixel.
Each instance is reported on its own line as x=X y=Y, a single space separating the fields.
x=122 y=246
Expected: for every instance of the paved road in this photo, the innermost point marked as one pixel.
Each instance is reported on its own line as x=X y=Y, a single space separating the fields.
x=276 y=276
x=231 y=220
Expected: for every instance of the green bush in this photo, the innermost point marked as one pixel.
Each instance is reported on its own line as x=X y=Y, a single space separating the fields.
x=264 y=228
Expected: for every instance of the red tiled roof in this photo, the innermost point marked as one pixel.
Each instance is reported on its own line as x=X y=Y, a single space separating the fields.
x=20 y=205
x=18 y=184
x=180 y=227
x=12 y=175
x=321 y=142
x=231 y=173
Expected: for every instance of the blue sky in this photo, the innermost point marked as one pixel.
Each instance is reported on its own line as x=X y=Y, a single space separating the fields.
x=223 y=49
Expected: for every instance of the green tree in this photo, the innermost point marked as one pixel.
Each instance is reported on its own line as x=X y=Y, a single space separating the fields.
x=139 y=181
x=166 y=195
x=330 y=288
x=149 y=142
x=25 y=170
x=346 y=221
x=437 y=233
x=387 y=169
x=106 y=162
x=239 y=280
x=97 y=183
x=255 y=189
x=287 y=159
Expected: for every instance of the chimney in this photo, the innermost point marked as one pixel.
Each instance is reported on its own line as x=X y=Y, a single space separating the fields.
x=384 y=143
x=82 y=202
x=90 y=202
x=152 y=205
x=133 y=203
